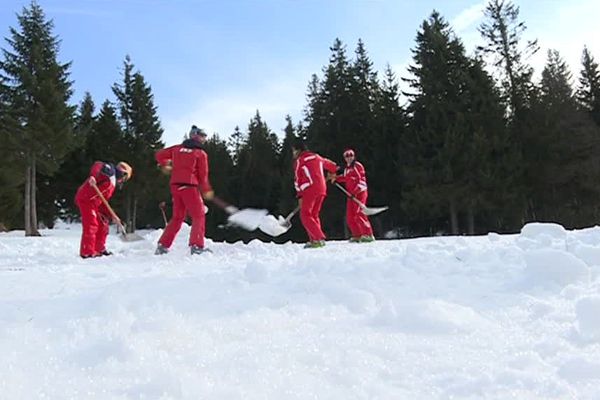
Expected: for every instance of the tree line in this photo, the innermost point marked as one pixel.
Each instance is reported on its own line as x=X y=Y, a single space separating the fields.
x=479 y=144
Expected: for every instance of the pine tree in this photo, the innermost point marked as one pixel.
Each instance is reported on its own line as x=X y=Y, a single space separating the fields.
x=438 y=127
x=384 y=169
x=568 y=144
x=76 y=165
x=106 y=140
x=258 y=167
x=221 y=173
x=503 y=33
x=588 y=93
x=235 y=143
x=487 y=156
x=329 y=113
x=288 y=199
x=142 y=133
x=38 y=91
x=455 y=145
x=11 y=179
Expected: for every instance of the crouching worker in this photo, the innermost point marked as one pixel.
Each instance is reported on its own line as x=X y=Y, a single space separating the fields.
x=95 y=216
x=187 y=164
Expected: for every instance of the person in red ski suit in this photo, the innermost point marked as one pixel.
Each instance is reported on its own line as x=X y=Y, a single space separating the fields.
x=355 y=180
x=188 y=165
x=311 y=189
x=95 y=217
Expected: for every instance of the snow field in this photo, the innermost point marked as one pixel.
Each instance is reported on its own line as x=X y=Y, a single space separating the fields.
x=489 y=317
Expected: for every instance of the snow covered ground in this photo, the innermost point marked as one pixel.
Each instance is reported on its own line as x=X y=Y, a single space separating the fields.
x=491 y=317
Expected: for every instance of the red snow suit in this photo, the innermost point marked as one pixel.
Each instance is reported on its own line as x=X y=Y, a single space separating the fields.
x=355 y=180
x=95 y=217
x=188 y=175
x=309 y=180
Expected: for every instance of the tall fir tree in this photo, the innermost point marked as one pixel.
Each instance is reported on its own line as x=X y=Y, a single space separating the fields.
x=386 y=139
x=588 y=93
x=76 y=165
x=142 y=132
x=456 y=127
x=258 y=167
x=568 y=142
x=503 y=32
x=11 y=176
x=438 y=132
x=329 y=110
x=38 y=92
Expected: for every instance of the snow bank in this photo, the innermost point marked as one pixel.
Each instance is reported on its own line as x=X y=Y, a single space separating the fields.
x=587 y=312
x=554 y=267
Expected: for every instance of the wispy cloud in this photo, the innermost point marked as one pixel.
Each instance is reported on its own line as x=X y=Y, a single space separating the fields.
x=467 y=18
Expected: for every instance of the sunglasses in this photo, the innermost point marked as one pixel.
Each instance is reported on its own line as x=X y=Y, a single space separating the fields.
x=348 y=155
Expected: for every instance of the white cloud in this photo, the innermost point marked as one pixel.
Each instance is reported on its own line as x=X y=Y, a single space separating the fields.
x=468 y=17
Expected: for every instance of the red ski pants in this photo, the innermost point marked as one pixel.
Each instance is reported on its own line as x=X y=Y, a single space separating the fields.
x=186 y=199
x=94 y=230
x=309 y=215
x=358 y=223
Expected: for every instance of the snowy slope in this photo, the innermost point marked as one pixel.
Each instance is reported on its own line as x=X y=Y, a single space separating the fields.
x=490 y=317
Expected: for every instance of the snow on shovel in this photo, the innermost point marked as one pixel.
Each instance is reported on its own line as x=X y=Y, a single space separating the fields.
x=277 y=226
x=247 y=218
x=364 y=208
x=126 y=237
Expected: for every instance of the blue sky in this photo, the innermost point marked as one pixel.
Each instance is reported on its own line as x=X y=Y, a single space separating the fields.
x=214 y=63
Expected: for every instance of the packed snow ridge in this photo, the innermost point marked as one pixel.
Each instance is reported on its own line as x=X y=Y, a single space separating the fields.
x=488 y=317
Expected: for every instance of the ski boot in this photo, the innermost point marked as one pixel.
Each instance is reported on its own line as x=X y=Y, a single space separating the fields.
x=160 y=249
x=354 y=239
x=194 y=249
x=314 y=244
x=105 y=253
x=367 y=238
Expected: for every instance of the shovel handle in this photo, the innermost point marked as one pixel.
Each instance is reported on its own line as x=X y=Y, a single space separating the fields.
x=228 y=208
x=291 y=215
x=347 y=193
x=110 y=210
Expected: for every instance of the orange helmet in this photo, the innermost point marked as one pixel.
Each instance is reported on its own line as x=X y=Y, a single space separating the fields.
x=125 y=171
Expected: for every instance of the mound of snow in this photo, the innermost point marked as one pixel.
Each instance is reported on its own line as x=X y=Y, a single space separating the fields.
x=587 y=311
x=431 y=316
x=536 y=230
x=554 y=267
x=539 y=235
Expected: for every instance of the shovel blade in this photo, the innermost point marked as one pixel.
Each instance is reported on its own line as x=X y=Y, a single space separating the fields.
x=374 y=210
x=274 y=227
x=131 y=237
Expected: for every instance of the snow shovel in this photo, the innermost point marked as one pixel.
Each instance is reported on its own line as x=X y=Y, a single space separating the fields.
x=126 y=237
x=364 y=208
x=248 y=218
x=277 y=226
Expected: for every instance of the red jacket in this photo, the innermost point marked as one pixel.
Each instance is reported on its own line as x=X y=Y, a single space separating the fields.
x=189 y=162
x=354 y=178
x=104 y=173
x=309 y=177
